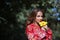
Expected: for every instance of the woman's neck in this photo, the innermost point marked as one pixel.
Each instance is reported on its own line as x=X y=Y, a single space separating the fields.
x=36 y=23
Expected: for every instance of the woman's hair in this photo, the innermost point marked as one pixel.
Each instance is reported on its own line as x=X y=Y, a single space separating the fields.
x=32 y=15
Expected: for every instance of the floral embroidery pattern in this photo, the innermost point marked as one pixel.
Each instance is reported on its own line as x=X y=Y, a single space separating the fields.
x=34 y=32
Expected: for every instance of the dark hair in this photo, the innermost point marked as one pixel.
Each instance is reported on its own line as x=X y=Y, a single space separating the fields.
x=33 y=14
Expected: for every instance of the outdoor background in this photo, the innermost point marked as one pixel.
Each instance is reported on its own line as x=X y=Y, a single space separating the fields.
x=13 y=15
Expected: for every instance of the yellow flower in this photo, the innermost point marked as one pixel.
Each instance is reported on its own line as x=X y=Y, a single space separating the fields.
x=43 y=23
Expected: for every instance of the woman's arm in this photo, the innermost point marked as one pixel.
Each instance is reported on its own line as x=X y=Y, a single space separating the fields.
x=34 y=34
x=49 y=32
x=29 y=33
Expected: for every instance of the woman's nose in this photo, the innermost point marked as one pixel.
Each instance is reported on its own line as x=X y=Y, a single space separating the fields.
x=41 y=18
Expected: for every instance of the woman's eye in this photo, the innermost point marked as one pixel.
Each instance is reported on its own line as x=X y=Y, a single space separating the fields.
x=39 y=16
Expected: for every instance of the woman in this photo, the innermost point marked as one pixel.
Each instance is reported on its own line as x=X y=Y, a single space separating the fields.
x=33 y=29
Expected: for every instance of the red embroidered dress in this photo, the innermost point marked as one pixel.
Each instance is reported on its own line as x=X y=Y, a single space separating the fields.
x=34 y=32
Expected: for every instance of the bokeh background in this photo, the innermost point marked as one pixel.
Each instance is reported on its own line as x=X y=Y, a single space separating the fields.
x=13 y=15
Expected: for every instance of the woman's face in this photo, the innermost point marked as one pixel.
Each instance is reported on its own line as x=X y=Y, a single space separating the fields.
x=39 y=16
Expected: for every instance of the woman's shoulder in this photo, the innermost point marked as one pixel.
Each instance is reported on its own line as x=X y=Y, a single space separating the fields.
x=30 y=25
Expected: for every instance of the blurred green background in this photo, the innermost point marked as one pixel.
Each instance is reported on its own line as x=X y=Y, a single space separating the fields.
x=13 y=15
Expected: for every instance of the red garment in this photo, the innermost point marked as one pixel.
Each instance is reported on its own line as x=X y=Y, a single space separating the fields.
x=37 y=33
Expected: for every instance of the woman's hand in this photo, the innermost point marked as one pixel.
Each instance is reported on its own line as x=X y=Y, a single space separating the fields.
x=45 y=27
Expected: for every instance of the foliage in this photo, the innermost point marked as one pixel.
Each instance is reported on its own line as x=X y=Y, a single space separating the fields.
x=51 y=7
x=13 y=15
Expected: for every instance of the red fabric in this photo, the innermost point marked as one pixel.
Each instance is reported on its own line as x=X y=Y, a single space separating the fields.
x=37 y=33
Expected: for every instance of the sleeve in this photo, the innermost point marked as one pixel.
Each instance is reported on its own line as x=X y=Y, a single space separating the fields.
x=34 y=35
x=49 y=33
x=29 y=33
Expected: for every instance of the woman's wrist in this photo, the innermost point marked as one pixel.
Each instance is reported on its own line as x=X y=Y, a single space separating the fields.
x=45 y=28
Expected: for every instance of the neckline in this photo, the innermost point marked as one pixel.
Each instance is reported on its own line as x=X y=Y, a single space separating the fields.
x=36 y=25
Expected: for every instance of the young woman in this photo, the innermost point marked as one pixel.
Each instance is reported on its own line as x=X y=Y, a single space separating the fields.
x=33 y=29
